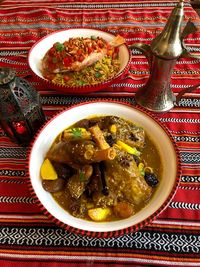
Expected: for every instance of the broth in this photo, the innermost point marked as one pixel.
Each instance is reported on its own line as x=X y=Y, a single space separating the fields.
x=107 y=169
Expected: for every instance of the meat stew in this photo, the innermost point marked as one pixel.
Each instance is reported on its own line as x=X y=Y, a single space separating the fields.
x=102 y=169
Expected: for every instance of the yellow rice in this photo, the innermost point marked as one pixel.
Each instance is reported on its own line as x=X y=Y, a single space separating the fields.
x=97 y=73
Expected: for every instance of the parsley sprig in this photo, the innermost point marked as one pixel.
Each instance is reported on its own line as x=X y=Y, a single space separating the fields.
x=60 y=47
x=77 y=133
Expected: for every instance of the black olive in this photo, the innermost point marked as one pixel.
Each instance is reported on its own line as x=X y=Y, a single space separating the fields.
x=136 y=158
x=110 y=139
x=105 y=189
x=63 y=170
x=151 y=179
x=133 y=137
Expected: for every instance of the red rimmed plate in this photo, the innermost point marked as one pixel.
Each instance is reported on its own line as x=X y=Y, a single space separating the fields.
x=39 y=49
x=158 y=133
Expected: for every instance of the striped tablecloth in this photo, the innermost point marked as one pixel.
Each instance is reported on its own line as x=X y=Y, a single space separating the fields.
x=27 y=237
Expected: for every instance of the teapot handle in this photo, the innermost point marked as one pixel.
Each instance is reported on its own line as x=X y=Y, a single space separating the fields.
x=189 y=28
x=184 y=91
x=185 y=53
x=145 y=49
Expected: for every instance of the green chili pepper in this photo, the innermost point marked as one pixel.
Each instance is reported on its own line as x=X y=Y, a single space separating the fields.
x=141 y=168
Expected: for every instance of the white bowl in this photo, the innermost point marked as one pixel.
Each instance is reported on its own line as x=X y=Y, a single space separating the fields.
x=159 y=134
x=40 y=48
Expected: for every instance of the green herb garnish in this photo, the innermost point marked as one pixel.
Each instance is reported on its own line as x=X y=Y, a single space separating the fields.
x=60 y=47
x=98 y=74
x=93 y=37
x=81 y=176
x=80 y=82
x=54 y=60
x=77 y=133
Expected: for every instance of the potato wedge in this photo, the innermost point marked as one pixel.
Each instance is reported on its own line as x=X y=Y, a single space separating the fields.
x=99 y=214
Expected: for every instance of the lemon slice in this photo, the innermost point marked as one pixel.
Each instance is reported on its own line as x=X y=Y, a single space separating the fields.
x=47 y=171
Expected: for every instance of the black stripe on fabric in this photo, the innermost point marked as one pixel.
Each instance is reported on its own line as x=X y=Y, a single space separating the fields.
x=141 y=240
x=189 y=139
x=116 y=5
x=71 y=100
x=190 y=157
x=13 y=152
x=12 y=173
x=190 y=179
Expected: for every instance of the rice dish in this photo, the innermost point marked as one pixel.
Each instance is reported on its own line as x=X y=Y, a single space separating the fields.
x=82 y=61
x=99 y=72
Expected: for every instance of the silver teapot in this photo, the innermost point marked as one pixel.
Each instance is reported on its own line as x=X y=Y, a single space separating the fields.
x=162 y=55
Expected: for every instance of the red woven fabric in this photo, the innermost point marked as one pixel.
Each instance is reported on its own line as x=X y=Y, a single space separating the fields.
x=27 y=237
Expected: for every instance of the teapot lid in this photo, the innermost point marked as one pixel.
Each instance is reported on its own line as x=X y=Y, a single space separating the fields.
x=6 y=75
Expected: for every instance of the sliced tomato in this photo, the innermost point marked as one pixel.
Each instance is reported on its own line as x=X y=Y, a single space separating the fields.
x=90 y=49
x=67 y=61
x=94 y=46
x=51 y=65
x=81 y=58
x=52 y=51
x=108 y=46
x=100 y=43
x=79 y=52
x=66 y=78
x=49 y=76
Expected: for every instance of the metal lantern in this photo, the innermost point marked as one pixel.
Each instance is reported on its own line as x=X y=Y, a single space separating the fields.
x=21 y=112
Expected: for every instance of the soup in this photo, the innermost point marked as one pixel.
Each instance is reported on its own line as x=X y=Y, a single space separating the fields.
x=102 y=169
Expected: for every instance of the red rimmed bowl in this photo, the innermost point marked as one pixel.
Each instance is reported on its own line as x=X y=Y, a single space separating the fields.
x=158 y=133
x=40 y=48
